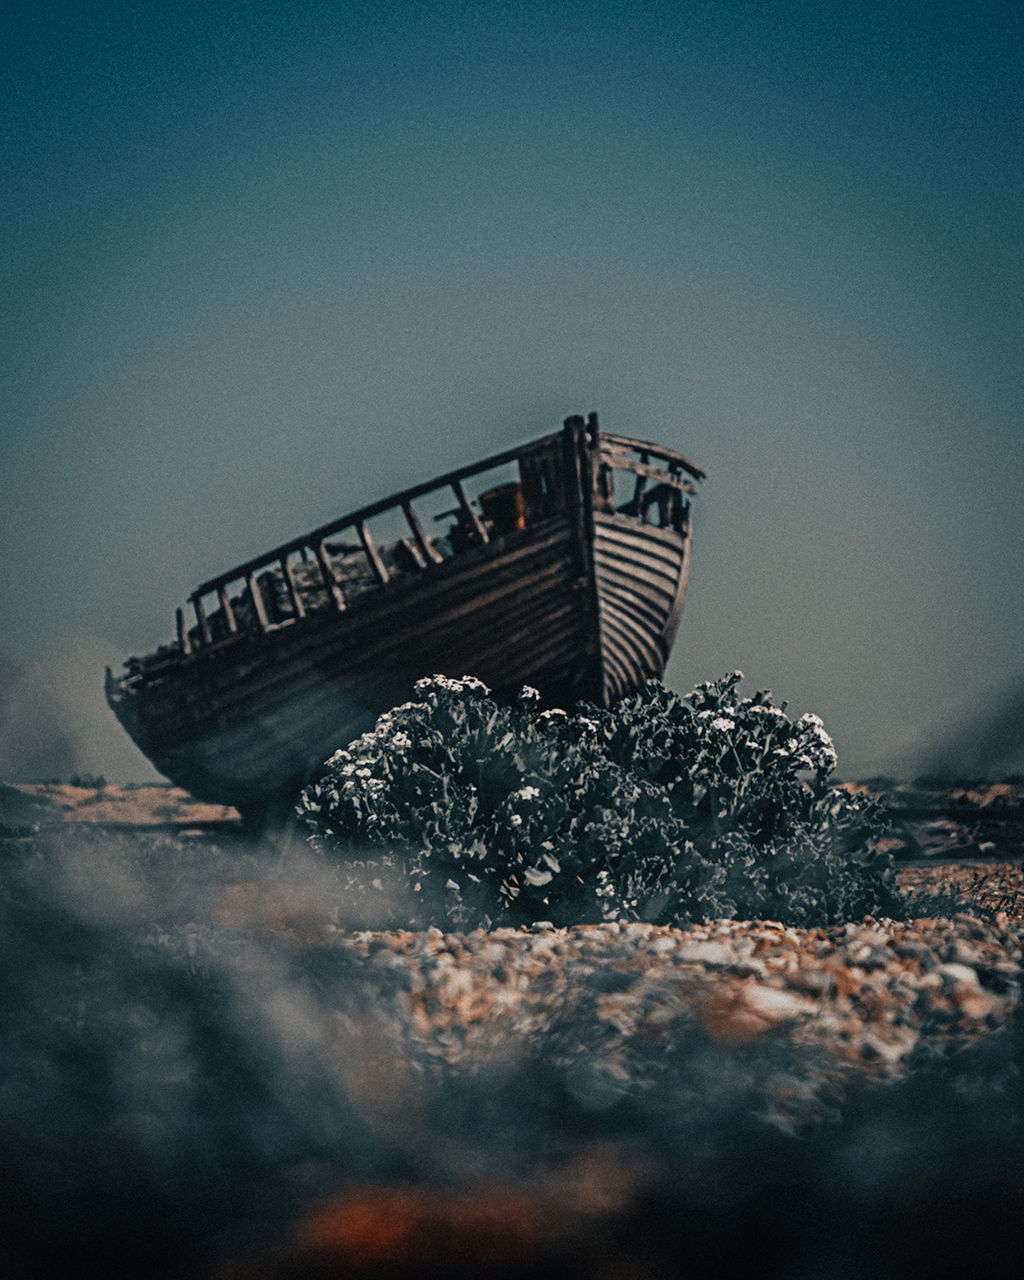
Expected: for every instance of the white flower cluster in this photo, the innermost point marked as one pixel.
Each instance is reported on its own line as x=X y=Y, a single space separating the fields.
x=813 y=724
x=818 y=749
x=765 y=712
x=448 y=685
x=724 y=723
x=605 y=888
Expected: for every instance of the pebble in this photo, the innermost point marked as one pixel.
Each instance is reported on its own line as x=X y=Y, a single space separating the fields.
x=776 y=1004
x=712 y=954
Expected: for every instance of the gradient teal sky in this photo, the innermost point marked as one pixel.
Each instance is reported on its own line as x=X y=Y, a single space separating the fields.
x=263 y=262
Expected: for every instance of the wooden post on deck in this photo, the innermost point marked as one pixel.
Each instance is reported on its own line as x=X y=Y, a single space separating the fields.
x=204 y=626
x=469 y=511
x=293 y=590
x=578 y=450
x=372 y=554
x=256 y=596
x=225 y=604
x=638 y=489
x=430 y=552
x=330 y=582
x=184 y=644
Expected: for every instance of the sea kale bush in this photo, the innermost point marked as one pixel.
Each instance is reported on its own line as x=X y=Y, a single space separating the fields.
x=665 y=809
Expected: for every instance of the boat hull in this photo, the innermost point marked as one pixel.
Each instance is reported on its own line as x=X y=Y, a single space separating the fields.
x=581 y=601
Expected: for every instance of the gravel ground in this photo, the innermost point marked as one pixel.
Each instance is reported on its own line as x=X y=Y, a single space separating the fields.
x=579 y=1096
x=691 y=1022
x=611 y=1003
x=991 y=886
x=876 y=994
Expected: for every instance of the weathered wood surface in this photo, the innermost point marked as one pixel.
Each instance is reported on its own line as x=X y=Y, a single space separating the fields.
x=641 y=580
x=670 y=456
x=575 y=597
x=510 y=621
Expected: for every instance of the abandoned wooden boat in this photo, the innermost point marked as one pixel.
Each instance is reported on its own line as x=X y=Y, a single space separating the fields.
x=544 y=574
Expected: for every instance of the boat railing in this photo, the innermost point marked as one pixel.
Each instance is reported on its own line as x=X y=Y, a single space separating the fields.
x=319 y=570
x=662 y=481
x=620 y=446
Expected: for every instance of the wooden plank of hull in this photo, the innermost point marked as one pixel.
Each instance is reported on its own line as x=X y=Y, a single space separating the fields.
x=620 y=592
x=493 y=635
x=408 y=604
x=262 y=711
x=231 y=687
x=660 y=547
x=633 y=635
x=275 y=748
x=369 y=640
x=641 y=575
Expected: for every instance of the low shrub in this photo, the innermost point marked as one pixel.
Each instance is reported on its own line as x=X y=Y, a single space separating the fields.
x=665 y=809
